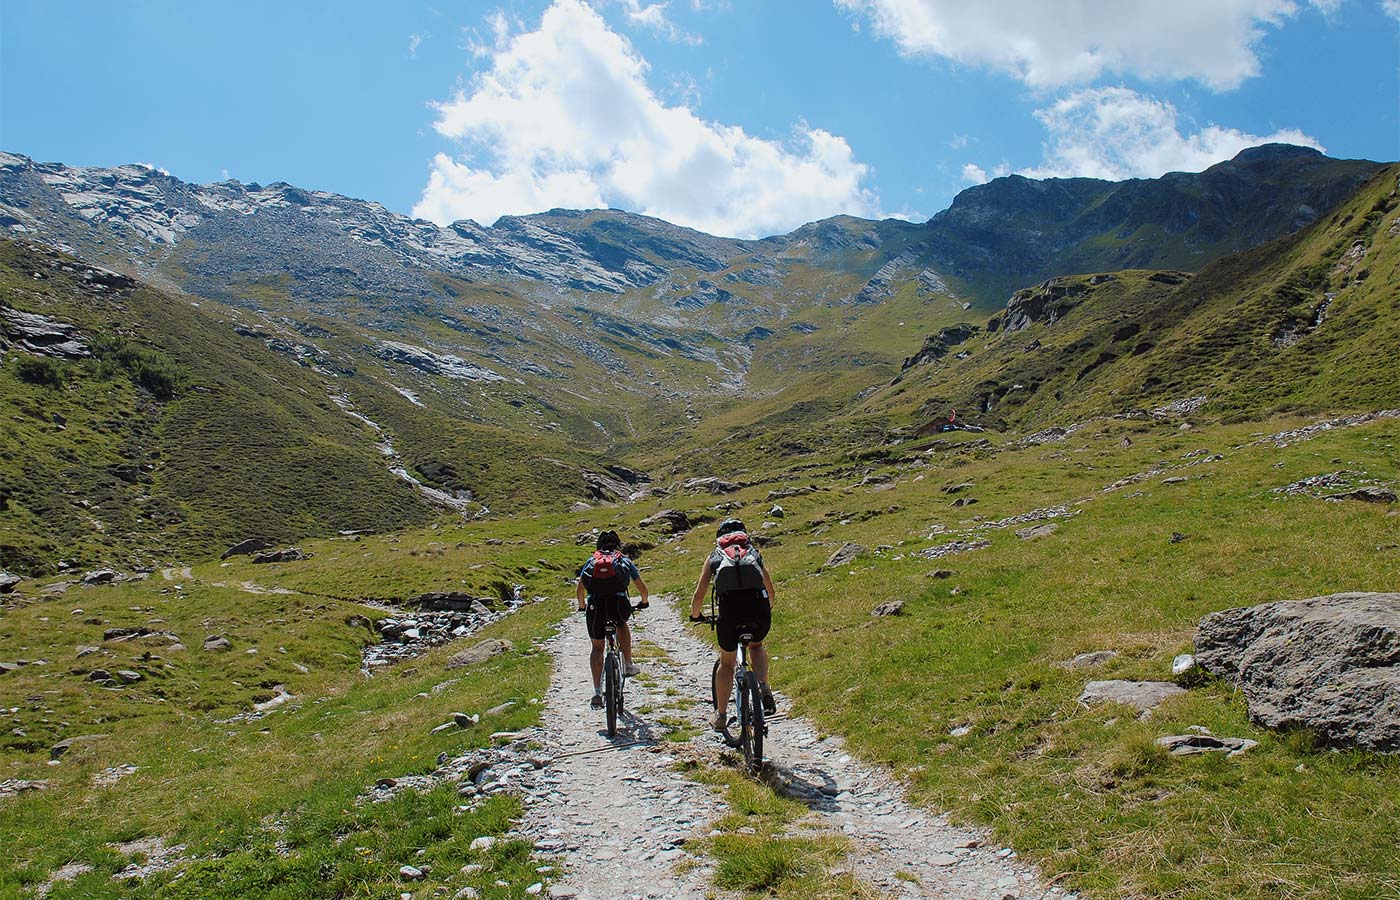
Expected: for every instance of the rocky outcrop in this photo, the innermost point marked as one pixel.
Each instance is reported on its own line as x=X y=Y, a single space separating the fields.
x=672 y=521
x=1330 y=664
x=42 y=335
x=843 y=556
x=288 y=554
x=1047 y=303
x=939 y=345
x=8 y=582
x=480 y=653
x=248 y=547
x=1145 y=695
x=444 y=364
x=709 y=485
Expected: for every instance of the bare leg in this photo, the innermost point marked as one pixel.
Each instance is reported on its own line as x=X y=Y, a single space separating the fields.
x=724 y=681
x=595 y=662
x=624 y=643
x=758 y=656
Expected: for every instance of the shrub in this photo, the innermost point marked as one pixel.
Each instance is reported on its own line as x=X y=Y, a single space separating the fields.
x=148 y=367
x=39 y=370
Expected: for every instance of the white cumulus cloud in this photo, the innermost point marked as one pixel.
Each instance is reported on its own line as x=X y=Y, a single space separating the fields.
x=563 y=117
x=974 y=174
x=1066 y=42
x=1391 y=8
x=1117 y=133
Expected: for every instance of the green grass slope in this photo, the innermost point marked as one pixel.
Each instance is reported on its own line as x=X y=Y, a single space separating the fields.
x=177 y=437
x=1308 y=323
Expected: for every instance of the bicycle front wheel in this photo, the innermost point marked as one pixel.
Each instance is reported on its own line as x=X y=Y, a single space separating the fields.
x=752 y=705
x=612 y=690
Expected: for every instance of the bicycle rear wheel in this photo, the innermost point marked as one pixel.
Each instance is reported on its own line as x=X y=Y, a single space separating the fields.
x=753 y=750
x=612 y=690
x=745 y=726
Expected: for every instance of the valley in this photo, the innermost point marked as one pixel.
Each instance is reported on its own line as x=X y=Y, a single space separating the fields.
x=1175 y=397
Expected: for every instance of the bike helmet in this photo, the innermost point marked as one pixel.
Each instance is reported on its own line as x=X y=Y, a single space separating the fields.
x=609 y=540
x=729 y=526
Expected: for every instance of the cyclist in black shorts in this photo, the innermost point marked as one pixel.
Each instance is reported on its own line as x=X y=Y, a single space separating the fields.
x=602 y=594
x=744 y=604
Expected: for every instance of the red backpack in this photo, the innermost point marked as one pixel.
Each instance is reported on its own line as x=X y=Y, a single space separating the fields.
x=607 y=577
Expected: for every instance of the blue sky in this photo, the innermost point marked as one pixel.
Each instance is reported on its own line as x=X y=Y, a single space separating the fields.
x=741 y=118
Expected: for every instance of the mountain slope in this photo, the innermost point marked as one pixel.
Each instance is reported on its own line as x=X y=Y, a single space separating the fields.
x=1309 y=322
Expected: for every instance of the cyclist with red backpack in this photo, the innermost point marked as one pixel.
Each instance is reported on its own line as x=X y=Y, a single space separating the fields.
x=602 y=595
x=744 y=604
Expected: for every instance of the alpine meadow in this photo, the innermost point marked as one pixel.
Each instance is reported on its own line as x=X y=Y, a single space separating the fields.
x=1065 y=518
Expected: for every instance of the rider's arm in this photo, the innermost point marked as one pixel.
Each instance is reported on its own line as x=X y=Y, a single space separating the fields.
x=642 y=587
x=579 y=593
x=697 y=602
x=768 y=586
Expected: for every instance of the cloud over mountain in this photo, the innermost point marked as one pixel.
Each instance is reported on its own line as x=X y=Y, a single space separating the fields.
x=563 y=116
x=1049 y=45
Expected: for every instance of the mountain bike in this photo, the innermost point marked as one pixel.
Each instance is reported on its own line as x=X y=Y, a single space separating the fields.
x=614 y=673
x=747 y=699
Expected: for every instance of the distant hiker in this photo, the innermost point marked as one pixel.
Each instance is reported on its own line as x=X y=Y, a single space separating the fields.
x=743 y=603
x=602 y=596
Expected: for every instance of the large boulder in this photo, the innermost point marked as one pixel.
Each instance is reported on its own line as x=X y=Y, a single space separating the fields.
x=248 y=547
x=709 y=485
x=672 y=521
x=843 y=556
x=1331 y=664
x=289 y=554
x=8 y=582
x=1145 y=695
x=480 y=653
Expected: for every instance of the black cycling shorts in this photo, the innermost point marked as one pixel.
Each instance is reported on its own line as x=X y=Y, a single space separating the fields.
x=601 y=609
x=742 y=615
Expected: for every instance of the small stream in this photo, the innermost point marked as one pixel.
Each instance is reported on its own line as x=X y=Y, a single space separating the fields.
x=434 y=497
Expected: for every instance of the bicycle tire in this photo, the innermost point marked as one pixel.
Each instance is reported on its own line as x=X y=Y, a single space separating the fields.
x=753 y=754
x=745 y=727
x=611 y=691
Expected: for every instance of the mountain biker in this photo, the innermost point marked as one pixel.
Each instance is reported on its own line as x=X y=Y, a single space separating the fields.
x=745 y=610
x=602 y=583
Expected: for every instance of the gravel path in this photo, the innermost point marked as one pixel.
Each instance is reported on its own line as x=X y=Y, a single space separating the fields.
x=617 y=811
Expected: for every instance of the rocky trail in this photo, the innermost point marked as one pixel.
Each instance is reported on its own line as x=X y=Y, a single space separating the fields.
x=617 y=812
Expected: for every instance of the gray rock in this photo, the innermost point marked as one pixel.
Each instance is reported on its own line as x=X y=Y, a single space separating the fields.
x=672 y=521
x=1331 y=664
x=1037 y=531
x=940 y=573
x=288 y=554
x=1145 y=695
x=100 y=576
x=1191 y=744
x=463 y=720
x=412 y=873
x=99 y=675
x=964 y=501
x=1183 y=664
x=777 y=512
x=1367 y=495
x=8 y=582
x=844 y=555
x=956 y=488
x=8 y=667
x=248 y=547
x=889 y=608
x=215 y=642
x=42 y=335
x=1090 y=660
x=480 y=653
x=67 y=744
x=709 y=485
x=128 y=675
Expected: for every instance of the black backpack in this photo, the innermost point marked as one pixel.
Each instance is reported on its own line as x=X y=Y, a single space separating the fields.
x=607 y=578
x=736 y=565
